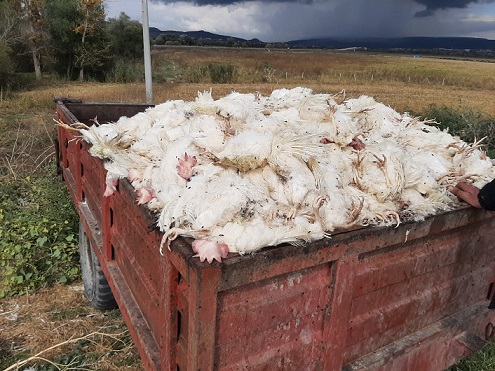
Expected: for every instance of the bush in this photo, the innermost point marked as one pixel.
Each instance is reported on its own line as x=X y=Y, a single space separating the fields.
x=468 y=124
x=221 y=73
x=196 y=75
x=124 y=71
x=38 y=234
x=214 y=73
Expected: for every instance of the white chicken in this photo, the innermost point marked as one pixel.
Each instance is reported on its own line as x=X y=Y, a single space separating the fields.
x=247 y=171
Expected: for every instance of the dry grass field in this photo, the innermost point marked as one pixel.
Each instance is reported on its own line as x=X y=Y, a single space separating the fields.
x=55 y=316
x=403 y=82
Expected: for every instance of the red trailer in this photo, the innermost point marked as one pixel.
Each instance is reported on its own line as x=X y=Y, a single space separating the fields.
x=414 y=297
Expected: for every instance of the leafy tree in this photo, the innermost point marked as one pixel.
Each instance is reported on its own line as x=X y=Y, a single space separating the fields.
x=94 y=46
x=126 y=36
x=6 y=65
x=33 y=30
x=62 y=18
x=79 y=40
x=8 y=35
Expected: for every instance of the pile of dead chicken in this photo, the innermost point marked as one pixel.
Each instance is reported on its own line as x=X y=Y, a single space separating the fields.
x=247 y=171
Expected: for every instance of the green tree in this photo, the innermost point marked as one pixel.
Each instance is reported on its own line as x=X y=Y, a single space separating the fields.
x=94 y=46
x=8 y=35
x=78 y=35
x=126 y=36
x=33 y=30
x=62 y=18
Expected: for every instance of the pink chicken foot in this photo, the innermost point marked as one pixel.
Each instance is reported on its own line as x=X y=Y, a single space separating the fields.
x=145 y=195
x=205 y=249
x=209 y=250
x=185 y=166
x=111 y=183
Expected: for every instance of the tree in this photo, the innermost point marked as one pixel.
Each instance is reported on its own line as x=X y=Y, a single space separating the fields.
x=79 y=41
x=33 y=29
x=8 y=35
x=94 y=46
x=126 y=36
x=62 y=18
x=9 y=23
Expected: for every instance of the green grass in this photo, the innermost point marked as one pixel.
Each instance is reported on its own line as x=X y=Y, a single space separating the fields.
x=38 y=233
x=483 y=360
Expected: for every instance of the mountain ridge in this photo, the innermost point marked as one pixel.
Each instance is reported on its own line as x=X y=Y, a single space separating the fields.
x=413 y=42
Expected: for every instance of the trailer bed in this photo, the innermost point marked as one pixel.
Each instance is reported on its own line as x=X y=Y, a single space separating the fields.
x=414 y=297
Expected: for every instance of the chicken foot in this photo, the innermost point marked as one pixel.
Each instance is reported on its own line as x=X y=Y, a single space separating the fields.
x=185 y=166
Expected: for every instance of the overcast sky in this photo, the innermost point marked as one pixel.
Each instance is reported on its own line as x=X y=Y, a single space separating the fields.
x=285 y=20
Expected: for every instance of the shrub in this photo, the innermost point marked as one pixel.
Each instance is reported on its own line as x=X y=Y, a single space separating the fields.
x=196 y=75
x=468 y=124
x=124 y=71
x=38 y=234
x=221 y=73
x=214 y=73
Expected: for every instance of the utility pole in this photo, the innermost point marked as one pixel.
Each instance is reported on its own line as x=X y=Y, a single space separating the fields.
x=147 y=54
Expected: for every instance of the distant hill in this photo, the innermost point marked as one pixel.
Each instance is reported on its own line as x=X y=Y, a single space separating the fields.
x=397 y=43
x=155 y=32
x=400 y=43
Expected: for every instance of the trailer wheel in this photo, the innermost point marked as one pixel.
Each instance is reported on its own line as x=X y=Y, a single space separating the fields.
x=96 y=287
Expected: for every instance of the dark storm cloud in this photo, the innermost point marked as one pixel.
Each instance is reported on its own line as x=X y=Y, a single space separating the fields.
x=433 y=5
x=230 y=2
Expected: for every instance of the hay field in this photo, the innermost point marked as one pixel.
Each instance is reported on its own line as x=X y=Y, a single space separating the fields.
x=403 y=82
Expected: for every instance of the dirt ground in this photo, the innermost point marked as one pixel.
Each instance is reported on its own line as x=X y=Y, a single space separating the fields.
x=57 y=329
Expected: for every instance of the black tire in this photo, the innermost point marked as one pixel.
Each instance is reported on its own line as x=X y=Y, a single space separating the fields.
x=96 y=287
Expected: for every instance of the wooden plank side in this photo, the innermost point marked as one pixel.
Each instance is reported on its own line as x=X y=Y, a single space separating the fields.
x=266 y=304
x=204 y=281
x=436 y=347
x=337 y=314
x=403 y=263
x=400 y=291
x=292 y=345
x=92 y=182
x=277 y=322
x=134 y=317
x=130 y=230
x=170 y=314
x=385 y=325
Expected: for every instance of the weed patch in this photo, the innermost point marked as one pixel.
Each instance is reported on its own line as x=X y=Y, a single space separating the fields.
x=38 y=234
x=468 y=124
